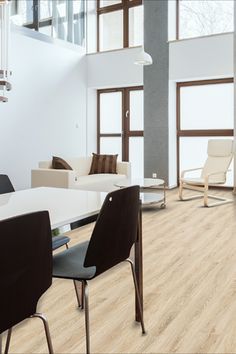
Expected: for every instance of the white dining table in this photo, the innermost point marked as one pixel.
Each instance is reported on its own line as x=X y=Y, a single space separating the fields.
x=66 y=206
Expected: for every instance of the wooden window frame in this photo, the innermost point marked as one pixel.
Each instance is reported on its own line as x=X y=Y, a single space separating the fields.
x=126 y=132
x=193 y=132
x=124 y=5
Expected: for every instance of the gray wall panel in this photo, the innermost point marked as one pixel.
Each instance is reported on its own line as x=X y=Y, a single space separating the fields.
x=156 y=78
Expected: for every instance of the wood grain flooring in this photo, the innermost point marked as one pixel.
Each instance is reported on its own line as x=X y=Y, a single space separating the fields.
x=189 y=290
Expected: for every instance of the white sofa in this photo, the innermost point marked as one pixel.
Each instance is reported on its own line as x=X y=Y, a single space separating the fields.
x=79 y=177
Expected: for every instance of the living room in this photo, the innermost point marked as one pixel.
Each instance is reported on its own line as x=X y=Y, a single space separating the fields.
x=72 y=71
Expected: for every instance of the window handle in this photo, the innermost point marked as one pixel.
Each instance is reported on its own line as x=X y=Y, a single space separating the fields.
x=127 y=114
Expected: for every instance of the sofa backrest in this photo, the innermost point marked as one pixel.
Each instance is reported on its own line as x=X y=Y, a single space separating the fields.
x=81 y=165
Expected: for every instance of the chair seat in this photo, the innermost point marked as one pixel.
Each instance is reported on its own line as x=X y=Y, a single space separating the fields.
x=199 y=181
x=194 y=181
x=59 y=241
x=69 y=264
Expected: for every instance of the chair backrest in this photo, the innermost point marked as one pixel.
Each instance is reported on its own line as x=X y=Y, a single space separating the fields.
x=25 y=265
x=115 y=230
x=220 y=154
x=5 y=185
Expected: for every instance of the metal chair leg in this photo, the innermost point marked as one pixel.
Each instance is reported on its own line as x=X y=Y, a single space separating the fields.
x=77 y=293
x=86 y=303
x=8 y=341
x=75 y=285
x=46 y=328
x=137 y=294
x=82 y=296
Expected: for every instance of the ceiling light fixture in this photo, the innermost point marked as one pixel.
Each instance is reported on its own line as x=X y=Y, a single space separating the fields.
x=4 y=48
x=143 y=58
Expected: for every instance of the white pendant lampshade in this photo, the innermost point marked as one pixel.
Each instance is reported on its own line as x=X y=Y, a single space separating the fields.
x=143 y=58
x=4 y=43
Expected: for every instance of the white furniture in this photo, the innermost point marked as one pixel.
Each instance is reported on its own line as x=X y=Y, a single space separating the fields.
x=153 y=190
x=213 y=173
x=79 y=177
x=65 y=206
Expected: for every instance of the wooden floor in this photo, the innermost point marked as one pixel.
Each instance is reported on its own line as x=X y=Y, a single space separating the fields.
x=189 y=291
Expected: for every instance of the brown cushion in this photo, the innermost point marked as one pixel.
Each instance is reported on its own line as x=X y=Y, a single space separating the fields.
x=59 y=164
x=103 y=164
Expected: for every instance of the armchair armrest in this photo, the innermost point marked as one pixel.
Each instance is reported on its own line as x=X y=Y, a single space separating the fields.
x=190 y=170
x=124 y=168
x=43 y=177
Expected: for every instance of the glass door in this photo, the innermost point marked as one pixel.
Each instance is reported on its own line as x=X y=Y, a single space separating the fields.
x=120 y=125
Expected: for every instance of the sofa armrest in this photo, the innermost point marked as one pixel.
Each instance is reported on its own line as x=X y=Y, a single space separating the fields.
x=124 y=168
x=43 y=177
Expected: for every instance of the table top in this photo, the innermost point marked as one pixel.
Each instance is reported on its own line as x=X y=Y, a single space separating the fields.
x=64 y=205
x=142 y=182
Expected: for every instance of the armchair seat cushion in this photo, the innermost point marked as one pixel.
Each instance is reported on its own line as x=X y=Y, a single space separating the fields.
x=197 y=181
x=193 y=181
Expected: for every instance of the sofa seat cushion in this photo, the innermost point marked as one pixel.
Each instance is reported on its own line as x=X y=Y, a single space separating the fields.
x=104 y=182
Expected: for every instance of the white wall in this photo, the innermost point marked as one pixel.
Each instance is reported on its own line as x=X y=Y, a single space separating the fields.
x=201 y=58
x=114 y=69
x=46 y=112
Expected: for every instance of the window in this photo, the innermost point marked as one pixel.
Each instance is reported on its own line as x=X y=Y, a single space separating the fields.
x=58 y=18
x=120 y=125
x=204 y=110
x=120 y=24
x=204 y=17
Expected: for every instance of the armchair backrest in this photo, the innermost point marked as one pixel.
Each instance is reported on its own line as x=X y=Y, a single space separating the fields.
x=220 y=154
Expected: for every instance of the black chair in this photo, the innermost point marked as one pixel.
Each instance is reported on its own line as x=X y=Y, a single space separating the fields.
x=114 y=234
x=25 y=269
x=7 y=187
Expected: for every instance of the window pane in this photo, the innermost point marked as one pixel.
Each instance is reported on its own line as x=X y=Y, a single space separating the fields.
x=111 y=146
x=207 y=106
x=110 y=112
x=68 y=24
x=193 y=154
x=135 y=26
x=111 y=30
x=78 y=6
x=45 y=9
x=136 y=110
x=23 y=13
x=136 y=156
x=205 y=17
x=104 y=3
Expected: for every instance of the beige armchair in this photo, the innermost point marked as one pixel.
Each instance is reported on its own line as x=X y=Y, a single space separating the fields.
x=220 y=154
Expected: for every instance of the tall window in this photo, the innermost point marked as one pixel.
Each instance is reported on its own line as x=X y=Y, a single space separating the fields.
x=204 y=17
x=61 y=19
x=204 y=111
x=120 y=24
x=120 y=125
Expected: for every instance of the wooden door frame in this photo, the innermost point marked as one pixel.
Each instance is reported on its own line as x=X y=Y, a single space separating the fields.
x=126 y=132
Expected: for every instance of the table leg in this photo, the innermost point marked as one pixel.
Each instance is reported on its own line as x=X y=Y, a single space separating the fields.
x=138 y=258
